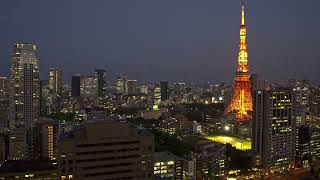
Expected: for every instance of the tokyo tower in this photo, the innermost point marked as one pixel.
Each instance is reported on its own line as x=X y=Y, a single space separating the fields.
x=241 y=102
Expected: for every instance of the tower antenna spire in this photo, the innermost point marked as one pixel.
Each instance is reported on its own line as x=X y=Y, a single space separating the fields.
x=242 y=17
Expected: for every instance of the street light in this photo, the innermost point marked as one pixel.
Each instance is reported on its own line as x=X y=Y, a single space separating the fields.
x=227 y=128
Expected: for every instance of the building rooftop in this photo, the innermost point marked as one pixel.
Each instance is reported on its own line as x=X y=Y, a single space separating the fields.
x=165 y=156
x=12 y=166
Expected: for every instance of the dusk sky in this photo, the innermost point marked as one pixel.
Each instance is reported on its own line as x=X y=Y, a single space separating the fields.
x=166 y=39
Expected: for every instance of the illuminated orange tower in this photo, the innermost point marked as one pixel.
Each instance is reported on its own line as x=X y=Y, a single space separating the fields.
x=241 y=102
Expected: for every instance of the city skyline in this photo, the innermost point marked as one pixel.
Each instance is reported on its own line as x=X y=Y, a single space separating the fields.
x=191 y=37
x=159 y=90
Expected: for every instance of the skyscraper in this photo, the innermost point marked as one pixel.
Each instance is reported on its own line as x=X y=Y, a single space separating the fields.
x=301 y=95
x=24 y=86
x=164 y=90
x=3 y=88
x=241 y=102
x=179 y=88
x=132 y=87
x=4 y=112
x=102 y=81
x=274 y=129
x=55 y=80
x=157 y=94
x=144 y=89
x=122 y=84
x=75 y=85
x=89 y=86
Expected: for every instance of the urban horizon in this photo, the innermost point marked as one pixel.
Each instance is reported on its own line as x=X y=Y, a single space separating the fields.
x=207 y=46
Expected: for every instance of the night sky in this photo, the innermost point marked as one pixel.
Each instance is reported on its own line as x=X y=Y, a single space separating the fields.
x=166 y=39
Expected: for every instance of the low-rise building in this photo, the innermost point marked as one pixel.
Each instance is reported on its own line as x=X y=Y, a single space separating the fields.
x=167 y=166
x=29 y=169
x=106 y=150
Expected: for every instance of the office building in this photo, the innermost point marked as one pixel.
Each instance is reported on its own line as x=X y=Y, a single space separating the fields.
x=315 y=100
x=101 y=74
x=157 y=94
x=2 y=150
x=122 y=84
x=4 y=88
x=45 y=135
x=307 y=145
x=24 y=86
x=179 y=88
x=55 y=80
x=315 y=144
x=303 y=146
x=301 y=94
x=89 y=86
x=167 y=166
x=75 y=85
x=4 y=114
x=106 y=150
x=274 y=128
x=132 y=87
x=144 y=89
x=29 y=169
x=18 y=144
x=164 y=90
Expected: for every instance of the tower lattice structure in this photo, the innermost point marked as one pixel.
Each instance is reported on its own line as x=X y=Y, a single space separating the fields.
x=241 y=102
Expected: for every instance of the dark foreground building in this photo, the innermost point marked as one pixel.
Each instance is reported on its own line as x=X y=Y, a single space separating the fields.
x=29 y=169
x=106 y=150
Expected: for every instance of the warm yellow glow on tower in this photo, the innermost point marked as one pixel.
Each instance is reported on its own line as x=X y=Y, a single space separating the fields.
x=241 y=102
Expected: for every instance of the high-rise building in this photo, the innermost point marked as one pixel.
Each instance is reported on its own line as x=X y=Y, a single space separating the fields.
x=241 y=102
x=89 y=86
x=3 y=88
x=144 y=89
x=24 y=86
x=122 y=84
x=45 y=135
x=303 y=145
x=307 y=145
x=315 y=144
x=2 y=150
x=132 y=87
x=315 y=100
x=301 y=95
x=179 y=88
x=55 y=80
x=75 y=85
x=274 y=129
x=18 y=144
x=157 y=94
x=164 y=90
x=4 y=114
x=102 y=81
x=106 y=150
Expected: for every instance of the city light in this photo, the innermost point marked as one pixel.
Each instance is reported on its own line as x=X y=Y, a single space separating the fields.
x=238 y=143
x=227 y=128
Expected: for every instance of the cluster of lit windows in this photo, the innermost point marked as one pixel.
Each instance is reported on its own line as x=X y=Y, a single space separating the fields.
x=165 y=169
x=50 y=142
